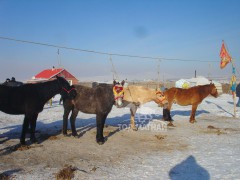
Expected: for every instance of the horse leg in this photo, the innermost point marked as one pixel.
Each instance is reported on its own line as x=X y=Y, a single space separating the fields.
x=33 y=121
x=166 y=112
x=100 y=121
x=192 y=117
x=65 y=120
x=167 y=115
x=133 y=111
x=72 y=121
x=24 y=130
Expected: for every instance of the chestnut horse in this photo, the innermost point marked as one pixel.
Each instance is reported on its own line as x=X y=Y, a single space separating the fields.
x=98 y=100
x=184 y=97
x=134 y=96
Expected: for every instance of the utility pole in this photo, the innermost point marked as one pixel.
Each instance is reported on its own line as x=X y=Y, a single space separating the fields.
x=59 y=59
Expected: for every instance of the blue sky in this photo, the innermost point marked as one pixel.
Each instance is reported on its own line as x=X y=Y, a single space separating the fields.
x=179 y=29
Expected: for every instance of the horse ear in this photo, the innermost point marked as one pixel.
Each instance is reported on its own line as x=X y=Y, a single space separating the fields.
x=114 y=82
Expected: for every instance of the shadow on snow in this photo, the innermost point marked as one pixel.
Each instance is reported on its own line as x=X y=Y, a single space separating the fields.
x=46 y=130
x=189 y=169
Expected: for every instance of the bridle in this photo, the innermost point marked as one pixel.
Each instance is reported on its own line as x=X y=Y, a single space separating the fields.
x=162 y=98
x=118 y=92
x=60 y=83
x=68 y=91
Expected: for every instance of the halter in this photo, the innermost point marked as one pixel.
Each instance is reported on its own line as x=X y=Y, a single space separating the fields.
x=162 y=99
x=69 y=90
x=118 y=92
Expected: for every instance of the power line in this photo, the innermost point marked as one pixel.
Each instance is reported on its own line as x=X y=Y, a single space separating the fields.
x=102 y=53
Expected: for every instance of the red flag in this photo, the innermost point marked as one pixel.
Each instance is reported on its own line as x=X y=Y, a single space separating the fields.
x=225 y=57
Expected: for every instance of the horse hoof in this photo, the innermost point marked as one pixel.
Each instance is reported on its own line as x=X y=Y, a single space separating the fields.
x=134 y=128
x=101 y=141
x=171 y=124
x=165 y=119
x=192 y=121
x=74 y=134
x=34 y=140
x=22 y=142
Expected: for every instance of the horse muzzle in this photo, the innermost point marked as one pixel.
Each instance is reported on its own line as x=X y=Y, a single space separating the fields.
x=118 y=102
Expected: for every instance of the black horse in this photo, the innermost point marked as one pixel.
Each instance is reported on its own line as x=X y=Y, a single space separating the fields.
x=98 y=100
x=29 y=99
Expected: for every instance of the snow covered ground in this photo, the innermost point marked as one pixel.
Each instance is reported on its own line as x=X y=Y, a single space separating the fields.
x=208 y=149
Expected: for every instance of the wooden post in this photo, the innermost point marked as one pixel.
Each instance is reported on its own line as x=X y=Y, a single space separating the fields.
x=158 y=80
x=234 y=102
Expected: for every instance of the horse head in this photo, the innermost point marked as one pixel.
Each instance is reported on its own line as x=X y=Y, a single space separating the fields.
x=67 y=91
x=213 y=90
x=118 y=93
x=161 y=99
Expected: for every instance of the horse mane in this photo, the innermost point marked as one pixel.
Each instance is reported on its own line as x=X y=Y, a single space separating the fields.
x=138 y=87
x=205 y=87
x=93 y=90
x=13 y=83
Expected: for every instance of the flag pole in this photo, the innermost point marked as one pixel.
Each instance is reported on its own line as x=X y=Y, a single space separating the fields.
x=234 y=90
x=225 y=59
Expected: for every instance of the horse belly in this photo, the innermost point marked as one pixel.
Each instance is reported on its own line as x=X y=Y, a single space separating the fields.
x=12 y=111
x=10 y=107
x=185 y=100
x=87 y=107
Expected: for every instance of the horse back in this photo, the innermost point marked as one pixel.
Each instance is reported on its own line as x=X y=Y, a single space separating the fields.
x=93 y=100
x=186 y=97
x=139 y=94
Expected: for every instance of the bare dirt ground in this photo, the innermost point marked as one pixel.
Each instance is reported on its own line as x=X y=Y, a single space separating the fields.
x=202 y=147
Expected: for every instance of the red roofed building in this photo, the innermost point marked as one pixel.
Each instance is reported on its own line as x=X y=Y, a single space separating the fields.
x=49 y=74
